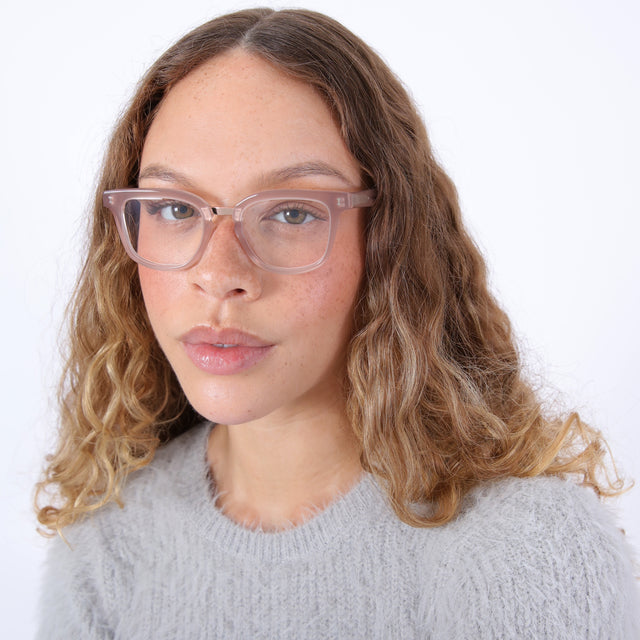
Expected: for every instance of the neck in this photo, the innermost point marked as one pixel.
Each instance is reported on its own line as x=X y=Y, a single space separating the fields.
x=274 y=475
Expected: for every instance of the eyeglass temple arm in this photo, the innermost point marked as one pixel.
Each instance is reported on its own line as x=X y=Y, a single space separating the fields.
x=362 y=198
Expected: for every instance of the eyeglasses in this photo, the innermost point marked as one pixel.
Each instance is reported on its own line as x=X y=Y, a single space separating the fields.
x=287 y=231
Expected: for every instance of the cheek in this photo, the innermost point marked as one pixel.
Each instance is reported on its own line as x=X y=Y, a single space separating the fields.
x=335 y=297
x=160 y=290
x=329 y=298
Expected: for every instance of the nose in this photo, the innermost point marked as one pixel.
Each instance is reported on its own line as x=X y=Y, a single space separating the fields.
x=224 y=270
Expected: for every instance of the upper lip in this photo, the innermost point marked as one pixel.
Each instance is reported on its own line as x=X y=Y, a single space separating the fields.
x=227 y=336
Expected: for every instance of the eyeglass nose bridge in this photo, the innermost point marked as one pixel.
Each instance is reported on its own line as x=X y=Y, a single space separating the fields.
x=235 y=213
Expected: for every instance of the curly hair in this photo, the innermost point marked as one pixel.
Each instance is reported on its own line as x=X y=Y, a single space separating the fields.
x=435 y=388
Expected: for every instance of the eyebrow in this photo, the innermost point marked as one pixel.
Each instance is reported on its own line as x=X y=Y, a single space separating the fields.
x=304 y=169
x=312 y=168
x=160 y=172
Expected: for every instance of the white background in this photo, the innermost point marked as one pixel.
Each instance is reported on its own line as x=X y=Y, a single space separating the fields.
x=533 y=108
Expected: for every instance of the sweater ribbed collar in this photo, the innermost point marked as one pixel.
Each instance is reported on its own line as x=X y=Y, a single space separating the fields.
x=361 y=508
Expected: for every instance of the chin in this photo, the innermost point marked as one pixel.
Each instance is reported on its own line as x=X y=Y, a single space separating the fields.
x=227 y=408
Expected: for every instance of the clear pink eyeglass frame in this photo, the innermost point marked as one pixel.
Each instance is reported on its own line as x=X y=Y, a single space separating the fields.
x=335 y=201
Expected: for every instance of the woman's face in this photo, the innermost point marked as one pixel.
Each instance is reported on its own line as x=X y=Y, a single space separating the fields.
x=234 y=127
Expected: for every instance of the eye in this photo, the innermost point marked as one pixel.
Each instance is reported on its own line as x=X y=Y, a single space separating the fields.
x=172 y=210
x=295 y=214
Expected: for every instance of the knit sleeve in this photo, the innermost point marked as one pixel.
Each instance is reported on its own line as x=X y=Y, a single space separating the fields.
x=535 y=559
x=77 y=590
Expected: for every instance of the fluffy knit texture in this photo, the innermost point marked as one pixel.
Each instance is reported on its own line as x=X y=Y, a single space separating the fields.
x=537 y=558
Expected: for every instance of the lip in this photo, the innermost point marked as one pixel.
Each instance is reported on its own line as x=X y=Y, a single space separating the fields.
x=224 y=351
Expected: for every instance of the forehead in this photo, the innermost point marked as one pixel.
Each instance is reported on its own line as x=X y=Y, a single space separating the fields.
x=239 y=114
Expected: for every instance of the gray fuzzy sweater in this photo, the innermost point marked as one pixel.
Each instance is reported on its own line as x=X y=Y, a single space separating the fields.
x=537 y=558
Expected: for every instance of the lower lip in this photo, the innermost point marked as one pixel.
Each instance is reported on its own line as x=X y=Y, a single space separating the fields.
x=224 y=361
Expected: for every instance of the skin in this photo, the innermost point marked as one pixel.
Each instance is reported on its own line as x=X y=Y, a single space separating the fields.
x=282 y=445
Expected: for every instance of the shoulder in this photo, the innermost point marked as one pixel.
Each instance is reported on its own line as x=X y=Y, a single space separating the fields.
x=545 y=507
x=89 y=571
x=537 y=557
x=157 y=487
x=151 y=494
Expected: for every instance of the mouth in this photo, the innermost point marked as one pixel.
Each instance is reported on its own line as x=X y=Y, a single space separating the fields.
x=224 y=351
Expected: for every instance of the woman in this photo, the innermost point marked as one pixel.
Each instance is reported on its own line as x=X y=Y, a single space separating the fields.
x=301 y=279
